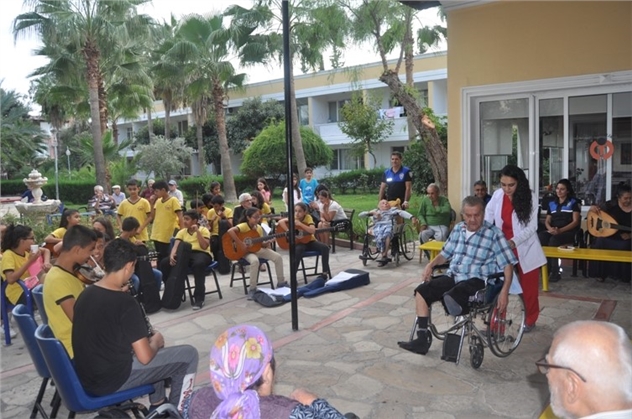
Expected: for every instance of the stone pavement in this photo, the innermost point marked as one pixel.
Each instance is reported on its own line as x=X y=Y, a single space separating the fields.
x=346 y=350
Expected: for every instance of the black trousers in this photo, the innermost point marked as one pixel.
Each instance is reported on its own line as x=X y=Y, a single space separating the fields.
x=198 y=261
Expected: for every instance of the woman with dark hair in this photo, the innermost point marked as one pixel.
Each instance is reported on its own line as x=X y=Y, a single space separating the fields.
x=262 y=186
x=104 y=225
x=563 y=215
x=514 y=209
x=621 y=210
x=258 y=201
x=330 y=211
x=18 y=255
x=69 y=218
x=215 y=188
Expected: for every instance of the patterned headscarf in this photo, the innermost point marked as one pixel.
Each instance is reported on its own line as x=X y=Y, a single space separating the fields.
x=238 y=359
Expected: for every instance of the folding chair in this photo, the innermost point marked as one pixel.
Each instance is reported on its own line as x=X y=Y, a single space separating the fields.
x=243 y=263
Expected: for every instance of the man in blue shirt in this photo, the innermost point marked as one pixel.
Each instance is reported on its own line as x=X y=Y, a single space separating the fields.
x=480 y=190
x=397 y=182
x=471 y=250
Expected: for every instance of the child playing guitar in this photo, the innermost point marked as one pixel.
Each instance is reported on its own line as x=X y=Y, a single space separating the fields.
x=304 y=222
x=243 y=233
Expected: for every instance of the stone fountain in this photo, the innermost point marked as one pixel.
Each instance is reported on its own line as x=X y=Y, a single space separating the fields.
x=34 y=182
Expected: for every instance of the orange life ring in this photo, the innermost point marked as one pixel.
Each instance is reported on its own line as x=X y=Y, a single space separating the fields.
x=601 y=151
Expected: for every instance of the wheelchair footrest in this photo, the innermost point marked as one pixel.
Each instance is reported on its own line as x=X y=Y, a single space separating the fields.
x=451 y=347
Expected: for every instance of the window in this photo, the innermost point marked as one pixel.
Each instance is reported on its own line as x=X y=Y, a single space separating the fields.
x=302 y=108
x=334 y=110
x=183 y=126
x=345 y=159
x=130 y=133
x=401 y=149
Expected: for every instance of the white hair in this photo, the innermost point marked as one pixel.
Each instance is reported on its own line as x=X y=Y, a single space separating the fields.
x=601 y=352
x=244 y=197
x=98 y=188
x=435 y=187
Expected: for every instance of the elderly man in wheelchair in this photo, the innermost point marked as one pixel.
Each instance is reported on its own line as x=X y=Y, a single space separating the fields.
x=475 y=250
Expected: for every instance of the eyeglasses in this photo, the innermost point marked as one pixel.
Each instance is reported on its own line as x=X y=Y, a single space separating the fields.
x=544 y=367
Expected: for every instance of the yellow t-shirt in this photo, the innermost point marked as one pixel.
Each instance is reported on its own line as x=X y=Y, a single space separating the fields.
x=265 y=210
x=215 y=224
x=165 y=219
x=60 y=286
x=245 y=228
x=139 y=210
x=11 y=261
x=59 y=233
x=308 y=220
x=193 y=240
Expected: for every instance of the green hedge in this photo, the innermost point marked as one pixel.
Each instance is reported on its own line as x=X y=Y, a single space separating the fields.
x=70 y=191
x=354 y=181
x=199 y=185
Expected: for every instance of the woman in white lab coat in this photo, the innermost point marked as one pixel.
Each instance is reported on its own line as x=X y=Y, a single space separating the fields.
x=514 y=209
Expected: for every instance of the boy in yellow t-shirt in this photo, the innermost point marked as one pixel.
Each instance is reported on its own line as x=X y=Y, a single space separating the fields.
x=62 y=286
x=166 y=216
x=136 y=207
x=200 y=240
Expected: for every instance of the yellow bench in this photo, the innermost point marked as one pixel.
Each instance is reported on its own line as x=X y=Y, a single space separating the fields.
x=434 y=247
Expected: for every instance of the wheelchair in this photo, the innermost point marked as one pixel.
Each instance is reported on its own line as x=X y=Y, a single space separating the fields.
x=402 y=241
x=484 y=326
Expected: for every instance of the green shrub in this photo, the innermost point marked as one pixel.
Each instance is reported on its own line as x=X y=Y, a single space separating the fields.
x=354 y=181
x=199 y=185
x=70 y=191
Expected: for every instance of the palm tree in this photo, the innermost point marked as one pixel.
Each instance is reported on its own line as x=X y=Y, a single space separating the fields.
x=22 y=140
x=202 y=49
x=315 y=25
x=89 y=26
x=388 y=25
x=169 y=77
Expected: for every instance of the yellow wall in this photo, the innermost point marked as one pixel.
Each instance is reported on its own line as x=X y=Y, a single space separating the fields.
x=330 y=77
x=511 y=41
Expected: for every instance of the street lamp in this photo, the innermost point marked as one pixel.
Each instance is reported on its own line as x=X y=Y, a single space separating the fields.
x=54 y=132
x=68 y=157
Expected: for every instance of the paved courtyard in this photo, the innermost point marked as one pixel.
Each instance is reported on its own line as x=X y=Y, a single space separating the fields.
x=346 y=348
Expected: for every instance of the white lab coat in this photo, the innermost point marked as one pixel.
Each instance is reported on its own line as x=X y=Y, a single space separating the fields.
x=530 y=253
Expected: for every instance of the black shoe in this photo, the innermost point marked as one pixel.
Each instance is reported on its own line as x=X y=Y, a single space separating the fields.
x=555 y=277
x=418 y=346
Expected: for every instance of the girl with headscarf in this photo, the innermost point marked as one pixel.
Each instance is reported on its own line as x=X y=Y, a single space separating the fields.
x=242 y=381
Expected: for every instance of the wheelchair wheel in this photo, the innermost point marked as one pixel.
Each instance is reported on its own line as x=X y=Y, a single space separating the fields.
x=407 y=242
x=477 y=352
x=369 y=249
x=505 y=330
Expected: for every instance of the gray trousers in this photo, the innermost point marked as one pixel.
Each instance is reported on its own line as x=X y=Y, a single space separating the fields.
x=176 y=362
x=439 y=233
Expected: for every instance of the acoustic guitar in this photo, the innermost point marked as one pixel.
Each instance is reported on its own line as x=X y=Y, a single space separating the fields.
x=603 y=225
x=251 y=239
x=302 y=237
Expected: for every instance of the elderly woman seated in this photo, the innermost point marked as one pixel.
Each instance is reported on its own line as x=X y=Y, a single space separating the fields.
x=242 y=381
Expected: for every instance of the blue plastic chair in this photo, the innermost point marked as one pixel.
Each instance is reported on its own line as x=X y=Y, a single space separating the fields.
x=243 y=263
x=6 y=306
x=27 y=325
x=73 y=395
x=38 y=296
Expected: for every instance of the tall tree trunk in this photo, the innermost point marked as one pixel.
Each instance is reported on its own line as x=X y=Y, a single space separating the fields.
x=115 y=131
x=436 y=152
x=297 y=142
x=409 y=55
x=167 y=104
x=91 y=54
x=220 y=116
x=103 y=106
x=150 y=125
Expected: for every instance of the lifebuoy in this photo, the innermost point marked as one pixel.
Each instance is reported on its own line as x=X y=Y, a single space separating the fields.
x=601 y=151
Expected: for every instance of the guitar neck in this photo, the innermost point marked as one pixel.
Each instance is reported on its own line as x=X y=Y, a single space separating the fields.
x=264 y=238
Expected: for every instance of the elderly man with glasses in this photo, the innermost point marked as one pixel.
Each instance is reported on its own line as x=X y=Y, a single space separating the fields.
x=589 y=370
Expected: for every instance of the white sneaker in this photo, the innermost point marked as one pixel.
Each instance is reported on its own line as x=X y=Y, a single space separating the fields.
x=12 y=333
